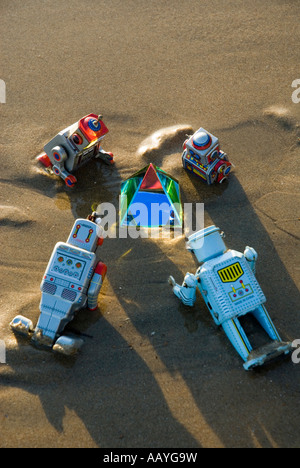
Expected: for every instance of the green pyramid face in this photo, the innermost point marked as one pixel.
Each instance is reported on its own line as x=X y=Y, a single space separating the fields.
x=150 y=198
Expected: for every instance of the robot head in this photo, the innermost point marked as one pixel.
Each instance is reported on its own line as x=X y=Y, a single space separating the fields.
x=206 y=244
x=90 y=129
x=203 y=146
x=86 y=235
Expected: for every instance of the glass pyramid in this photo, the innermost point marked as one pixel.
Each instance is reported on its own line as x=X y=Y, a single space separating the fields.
x=150 y=198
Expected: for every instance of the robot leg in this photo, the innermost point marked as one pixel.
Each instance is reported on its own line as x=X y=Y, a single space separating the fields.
x=108 y=158
x=276 y=347
x=68 y=178
x=265 y=321
x=57 y=157
x=55 y=314
x=66 y=345
x=258 y=356
x=237 y=337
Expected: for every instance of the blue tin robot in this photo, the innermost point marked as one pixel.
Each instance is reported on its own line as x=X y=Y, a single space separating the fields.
x=226 y=280
x=72 y=281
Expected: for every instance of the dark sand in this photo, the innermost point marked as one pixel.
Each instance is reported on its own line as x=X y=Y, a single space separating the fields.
x=153 y=373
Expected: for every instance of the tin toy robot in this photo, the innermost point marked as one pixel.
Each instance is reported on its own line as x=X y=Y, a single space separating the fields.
x=226 y=280
x=75 y=146
x=72 y=281
x=202 y=156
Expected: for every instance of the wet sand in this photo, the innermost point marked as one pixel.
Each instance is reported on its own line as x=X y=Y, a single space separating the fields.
x=152 y=373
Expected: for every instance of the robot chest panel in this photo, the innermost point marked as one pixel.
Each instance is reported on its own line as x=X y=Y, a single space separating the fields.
x=71 y=265
x=81 y=158
x=232 y=289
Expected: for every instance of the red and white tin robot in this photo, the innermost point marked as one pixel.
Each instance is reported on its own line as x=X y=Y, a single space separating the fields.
x=75 y=146
x=202 y=156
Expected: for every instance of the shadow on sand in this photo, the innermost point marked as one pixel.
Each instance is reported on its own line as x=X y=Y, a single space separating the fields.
x=112 y=386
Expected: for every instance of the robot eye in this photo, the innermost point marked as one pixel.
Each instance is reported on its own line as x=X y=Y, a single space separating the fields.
x=214 y=155
x=94 y=125
x=77 y=139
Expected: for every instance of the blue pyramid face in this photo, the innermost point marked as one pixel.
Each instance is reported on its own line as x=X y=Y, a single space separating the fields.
x=151 y=210
x=151 y=198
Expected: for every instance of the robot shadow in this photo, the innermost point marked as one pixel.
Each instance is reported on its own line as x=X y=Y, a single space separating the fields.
x=103 y=387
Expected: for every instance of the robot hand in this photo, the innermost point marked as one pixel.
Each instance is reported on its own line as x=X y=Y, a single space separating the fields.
x=251 y=256
x=187 y=291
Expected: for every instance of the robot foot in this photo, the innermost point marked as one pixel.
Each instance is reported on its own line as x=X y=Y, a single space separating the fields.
x=266 y=353
x=44 y=160
x=108 y=158
x=70 y=180
x=22 y=325
x=67 y=345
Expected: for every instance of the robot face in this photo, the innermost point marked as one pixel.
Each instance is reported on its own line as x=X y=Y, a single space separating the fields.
x=89 y=129
x=79 y=140
x=211 y=157
x=203 y=146
x=201 y=140
x=67 y=264
x=85 y=235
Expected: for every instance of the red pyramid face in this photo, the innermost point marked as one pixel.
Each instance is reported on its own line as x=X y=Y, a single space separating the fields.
x=151 y=180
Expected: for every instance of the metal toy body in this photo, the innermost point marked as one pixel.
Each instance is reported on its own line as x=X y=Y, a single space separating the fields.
x=72 y=280
x=202 y=156
x=226 y=280
x=75 y=146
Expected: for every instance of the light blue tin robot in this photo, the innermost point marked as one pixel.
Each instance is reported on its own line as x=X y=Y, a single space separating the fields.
x=72 y=281
x=226 y=280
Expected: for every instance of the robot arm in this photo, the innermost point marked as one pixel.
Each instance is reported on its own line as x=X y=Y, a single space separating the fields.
x=251 y=256
x=95 y=285
x=187 y=291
